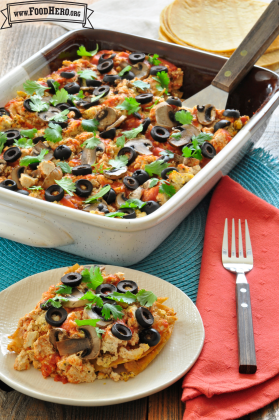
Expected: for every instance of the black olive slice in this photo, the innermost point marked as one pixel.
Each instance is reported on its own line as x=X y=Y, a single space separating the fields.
x=104 y=58
x=37 y=139
x=145 y=124
x=34 y=165
x=62 y=152
x=62 y=107
x=76 y=112
x=62 y=124
x=144 y=98
x=51 y=86
x=82 y=170
x=144 y=317
x=105 y=66
x=12 y=154
x=121 y=331
x=174 y=101
x=83 y=188
x=11 y=135
x=23 y=192
x=151 y=206
x=72 y=88
x=164 y=173
x=101 y=90
x=72 y=279
x=129 y=75
x=60 y=312
x=44 y=306
x=130 y=213
x=9 y=184
x=93 y=83
x=130 y=183
x=111 y=78
x=160 y=134
x=3 y=111
x=101 y=207
x=150 y=336
x=67 y=74
x=208 y=150
x=130 y=151
x=54 y=193
x=156 y=69
x=108 y=134
x=105 y=289
x=221 y=124
x=164 y=158
x=137 y=57
x=86 y=104
x=127 y=285
x=232 y=113
x=137 y=115
x=27 y=106
x=141 y=176
x=110 y=196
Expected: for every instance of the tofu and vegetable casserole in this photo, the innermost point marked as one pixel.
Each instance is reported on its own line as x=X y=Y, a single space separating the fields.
x=92 y=325
x=107 y=134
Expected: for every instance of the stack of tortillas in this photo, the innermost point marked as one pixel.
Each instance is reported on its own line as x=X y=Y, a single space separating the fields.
x=216 y=26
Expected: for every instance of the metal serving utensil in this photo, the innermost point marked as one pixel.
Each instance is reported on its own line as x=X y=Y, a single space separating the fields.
x=249 y=51
x=241 y=265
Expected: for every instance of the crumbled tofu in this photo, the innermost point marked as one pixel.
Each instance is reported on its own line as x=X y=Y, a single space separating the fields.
x=42 y=347
x=27 y=181
x=178 y=179
x=76 y=370
x=30 y=338
x=22 y=361
x=46 y=167
x=133 y=354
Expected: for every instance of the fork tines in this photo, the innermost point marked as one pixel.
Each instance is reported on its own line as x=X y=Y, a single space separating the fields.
x=225 y=247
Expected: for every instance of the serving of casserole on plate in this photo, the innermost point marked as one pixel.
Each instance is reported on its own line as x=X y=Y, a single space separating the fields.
x=44 y=343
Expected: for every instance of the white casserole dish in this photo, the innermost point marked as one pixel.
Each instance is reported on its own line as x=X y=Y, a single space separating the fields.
x=124 y=242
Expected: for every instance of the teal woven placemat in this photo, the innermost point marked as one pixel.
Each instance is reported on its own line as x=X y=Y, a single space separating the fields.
x=258 y=172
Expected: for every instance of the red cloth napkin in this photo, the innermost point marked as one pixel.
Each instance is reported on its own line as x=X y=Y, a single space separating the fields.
x=214 y=389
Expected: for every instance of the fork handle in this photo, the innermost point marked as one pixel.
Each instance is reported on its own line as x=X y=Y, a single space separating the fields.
x=246 y=344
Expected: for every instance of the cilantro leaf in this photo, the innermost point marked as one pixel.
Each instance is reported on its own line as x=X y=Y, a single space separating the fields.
x=123 y=71
x=153 y=182
x=202 y=137
x=133 y=203
x=130 y=105
x=154 y=60
x=65 y=167
x=167 y=189
x=89 y=295
x=99 y=332
x=114 y=310
x=98 y=195
x=91 y=322
x=72 y=98
x=87 y=74
x=194 y=150
x=23 y=143
x=184 y=117
x=63 y=290
x=127 y=297
x=55 y=302
x=91 y=143
x=119 y=162
x=90 y=125
x=120 y=141
x=3 y=139
x=53 y=133
x=156 y=167
x=92 y=277
x=163 y=79
x=155 y=103
x=141 y=85
x=61 y=96
x=131 y=134
x=27 y=160
x=37 y=105
x=96 y=98
x=84 y=53
x=146 y=298
x=176 y=136
x=30 y=133
x=115 y=214
x=31 y=87
x=67 y=184
x=167 y=152
x=61 y=117
x=35 y=188
x=186 y=152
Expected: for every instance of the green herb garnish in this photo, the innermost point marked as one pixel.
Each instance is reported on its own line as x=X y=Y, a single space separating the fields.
x=27 y=160
x=125 y=70
x=153 y=182
x=53 y=133
x=23 y=143
x=64 y=290
x=146 y=298
x=84 y=53
x=90 y=125
x=167 y=189
x=30 y=133
x=98 y=195
x=37 y=105
x=67 y=184
x=119 y=162
x=141 y=85
x=115 y=214
x=60 y=97
x=65 y=167
x=87 y=74
x=61 y=117
x=56 y=302
x=92 y=322
x=127 y=297
x=163 y=79
x=154 y=60
x=184 y=117
x=133 y=203
x=130 y=105
x=31 y=87
x=156 y=167
x=35 y=188
x=3 y=139
x=92 y=277
x=114 y=310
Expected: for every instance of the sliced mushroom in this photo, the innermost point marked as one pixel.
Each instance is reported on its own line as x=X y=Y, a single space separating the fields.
x=41 y=146
x=140 y=70
x=56 y=174
x=95 y=342
x=187 y=133
x=165 y=115
x=140 y=145
x=47 y=115
x=117 y=122
x=116 y=173
x=73 y=345
x=57 y=334
x=106 y=117
x=120 y=199
x=89 y=314
x=137 y=193
x=3 y=165
x=74 y=299
x=16 y=174
x=206 y=114
x=88 y=156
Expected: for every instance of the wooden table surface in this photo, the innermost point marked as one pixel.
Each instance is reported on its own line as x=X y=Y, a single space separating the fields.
x=17 y=44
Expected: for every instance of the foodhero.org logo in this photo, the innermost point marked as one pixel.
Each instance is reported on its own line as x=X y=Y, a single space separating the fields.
x=48 y=11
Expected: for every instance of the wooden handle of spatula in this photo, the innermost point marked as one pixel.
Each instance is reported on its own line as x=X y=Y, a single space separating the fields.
x=250 y=50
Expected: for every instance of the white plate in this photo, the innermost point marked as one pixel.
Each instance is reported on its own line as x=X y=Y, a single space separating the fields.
x=177 y=357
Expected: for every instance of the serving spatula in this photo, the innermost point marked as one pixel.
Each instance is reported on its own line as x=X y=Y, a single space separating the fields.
x=263 y=33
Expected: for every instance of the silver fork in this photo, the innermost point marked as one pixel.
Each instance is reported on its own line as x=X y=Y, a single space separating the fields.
x=241 y=265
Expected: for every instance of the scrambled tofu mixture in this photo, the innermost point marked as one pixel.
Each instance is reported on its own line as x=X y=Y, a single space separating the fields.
x=92 y=326
x=107 y=134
